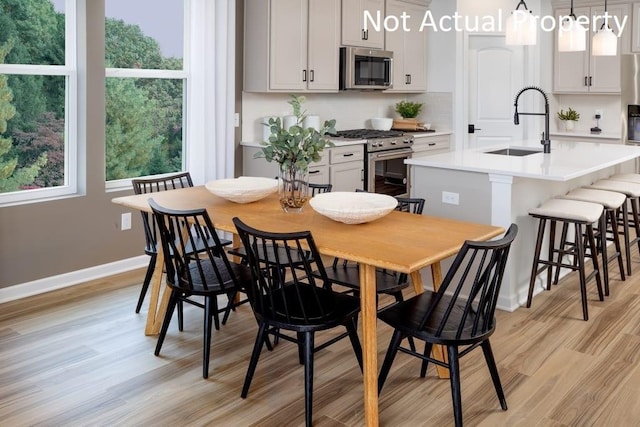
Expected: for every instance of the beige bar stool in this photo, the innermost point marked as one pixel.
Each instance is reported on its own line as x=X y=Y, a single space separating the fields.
x=612 y=203
x=581 y=215
x=632 y=191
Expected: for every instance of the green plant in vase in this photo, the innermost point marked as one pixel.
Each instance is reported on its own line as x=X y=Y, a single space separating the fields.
x=294 y=149
x=569 y=118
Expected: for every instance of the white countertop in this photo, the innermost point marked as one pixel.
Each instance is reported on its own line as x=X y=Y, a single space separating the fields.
x=587 y=135
x=341 y=142
x=567 y=160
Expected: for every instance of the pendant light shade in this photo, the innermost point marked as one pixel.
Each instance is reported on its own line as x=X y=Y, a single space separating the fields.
x=572 y=36
x=605 y=42
x=521 y=27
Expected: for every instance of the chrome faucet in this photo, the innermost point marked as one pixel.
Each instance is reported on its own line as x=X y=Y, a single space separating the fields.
x=545 y=141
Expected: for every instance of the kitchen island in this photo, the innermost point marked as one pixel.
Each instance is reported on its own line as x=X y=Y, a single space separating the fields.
x=500 y=189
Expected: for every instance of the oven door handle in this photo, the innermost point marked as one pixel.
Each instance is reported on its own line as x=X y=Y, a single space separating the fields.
x=393 y=153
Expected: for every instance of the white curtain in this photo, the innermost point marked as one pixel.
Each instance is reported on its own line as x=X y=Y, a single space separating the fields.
x=211 y=96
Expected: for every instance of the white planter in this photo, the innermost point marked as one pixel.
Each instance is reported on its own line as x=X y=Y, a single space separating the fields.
x=569 y=125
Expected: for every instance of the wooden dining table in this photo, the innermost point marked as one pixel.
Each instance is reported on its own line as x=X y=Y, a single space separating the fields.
x=400 y=242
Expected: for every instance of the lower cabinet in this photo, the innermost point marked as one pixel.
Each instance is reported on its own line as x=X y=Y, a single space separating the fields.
x=343 y=167
x=346 y=168
x=427 y=145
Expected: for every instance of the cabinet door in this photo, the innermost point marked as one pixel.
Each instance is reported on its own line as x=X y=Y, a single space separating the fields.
x=319 y=174
x=571 y=69
x=288 y=59
x=409 y=48
x=324 y=44
x=347 y=176
x=635 y=33
x=353 y=32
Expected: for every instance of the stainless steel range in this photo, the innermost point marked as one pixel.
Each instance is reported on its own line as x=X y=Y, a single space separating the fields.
x=385 y=152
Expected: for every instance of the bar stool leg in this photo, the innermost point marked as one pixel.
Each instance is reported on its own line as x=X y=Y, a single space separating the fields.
x=616 y=241
x=625 y=233
x=536 y=256
x=594 y=258
x=583 y=281
x=552 y=244
x=561 y=251
x=603 y=248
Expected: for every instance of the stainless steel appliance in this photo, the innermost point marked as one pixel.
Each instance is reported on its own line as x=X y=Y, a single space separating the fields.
x=365 y=69
x=384 y=154
x=630 y=99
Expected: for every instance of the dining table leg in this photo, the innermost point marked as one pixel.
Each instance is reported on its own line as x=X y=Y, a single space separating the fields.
x=156 y=312
x=370 y=346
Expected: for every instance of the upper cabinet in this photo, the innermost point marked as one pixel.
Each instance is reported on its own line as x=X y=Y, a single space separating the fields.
x=291 y=45
x=353 y=31
x=581 y=72
x=409 y=48
x=635 y=35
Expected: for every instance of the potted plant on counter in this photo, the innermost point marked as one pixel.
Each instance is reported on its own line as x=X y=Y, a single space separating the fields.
x=294 y=148
x=408 y=109
x=569 y=118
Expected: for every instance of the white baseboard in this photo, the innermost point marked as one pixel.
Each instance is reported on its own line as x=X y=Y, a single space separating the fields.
x=72 y=278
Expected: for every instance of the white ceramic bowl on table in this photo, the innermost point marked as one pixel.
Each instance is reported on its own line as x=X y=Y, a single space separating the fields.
x=245 y=189
x=381 y=123
x=353 y=208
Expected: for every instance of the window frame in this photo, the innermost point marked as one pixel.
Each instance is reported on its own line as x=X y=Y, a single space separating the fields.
x=183 y=74
x=70 y=71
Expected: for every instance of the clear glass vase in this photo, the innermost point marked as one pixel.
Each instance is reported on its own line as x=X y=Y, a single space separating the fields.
x=293 y=188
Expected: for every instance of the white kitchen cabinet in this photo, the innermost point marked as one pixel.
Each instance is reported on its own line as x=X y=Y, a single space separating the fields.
x=427 y=145
x=353 y=31
x=581 y=72
x=291 y=45
x=346 y=168
x=343 y=167
x=409 y=48
x=635 y=29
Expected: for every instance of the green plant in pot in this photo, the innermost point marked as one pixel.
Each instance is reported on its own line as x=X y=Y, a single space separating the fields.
x=569 y=118
x=294 y=149
x=408 y=109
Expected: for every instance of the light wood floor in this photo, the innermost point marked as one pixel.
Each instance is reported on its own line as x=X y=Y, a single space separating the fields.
x=79 y=357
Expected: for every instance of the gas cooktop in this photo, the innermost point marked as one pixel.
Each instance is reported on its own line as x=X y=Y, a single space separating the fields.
x=367 y=133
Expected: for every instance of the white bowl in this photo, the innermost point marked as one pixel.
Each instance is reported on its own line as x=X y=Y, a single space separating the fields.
x=381 y=123
x=245 y=189
x=353 y=208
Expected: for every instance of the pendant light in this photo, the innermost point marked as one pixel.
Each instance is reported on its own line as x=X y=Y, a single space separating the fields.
x=521 y=27
x=572 y=36
x=605 y=42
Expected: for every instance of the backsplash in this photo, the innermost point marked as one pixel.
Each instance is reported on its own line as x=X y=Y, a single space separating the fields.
x=587 y=105
x=352 y=110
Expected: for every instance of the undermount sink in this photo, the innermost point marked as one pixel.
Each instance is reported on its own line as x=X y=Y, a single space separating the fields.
x=513 y=151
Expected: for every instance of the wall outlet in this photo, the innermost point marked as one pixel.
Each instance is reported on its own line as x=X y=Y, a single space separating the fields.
x=125 y=221
x=236 y=119
x=450 y=198
x=599 y=113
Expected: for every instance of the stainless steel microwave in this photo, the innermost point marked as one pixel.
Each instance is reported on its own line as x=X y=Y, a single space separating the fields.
x=365 y=69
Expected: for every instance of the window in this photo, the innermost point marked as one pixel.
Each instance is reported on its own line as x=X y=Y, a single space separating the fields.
x=145 y=89
x=37 y=100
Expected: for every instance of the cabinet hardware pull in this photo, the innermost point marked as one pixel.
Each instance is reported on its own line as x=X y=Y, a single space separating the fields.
x=347 y=155
x=304 y=75
x=312 y=75
x=312 y=172
x=431 y=144
x=586 y=81
x=590 y=81
x=364 y=35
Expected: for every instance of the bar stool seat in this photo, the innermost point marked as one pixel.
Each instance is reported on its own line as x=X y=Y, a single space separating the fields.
x=632 y=191
x=628 y=177
x=612 y=202
x=582 y=215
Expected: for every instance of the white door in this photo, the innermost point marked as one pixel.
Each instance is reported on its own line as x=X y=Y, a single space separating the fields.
x=495 y=75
